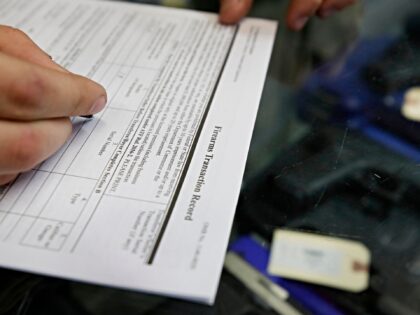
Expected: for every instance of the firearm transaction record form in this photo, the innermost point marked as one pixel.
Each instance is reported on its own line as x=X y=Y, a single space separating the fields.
x=143 y=195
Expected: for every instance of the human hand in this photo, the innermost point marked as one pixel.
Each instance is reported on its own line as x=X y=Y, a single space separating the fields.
x=299 y=11
x=37 y=97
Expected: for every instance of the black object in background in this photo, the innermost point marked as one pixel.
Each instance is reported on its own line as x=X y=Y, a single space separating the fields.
x=206 y=5
x=27 y=294
x=338 y=183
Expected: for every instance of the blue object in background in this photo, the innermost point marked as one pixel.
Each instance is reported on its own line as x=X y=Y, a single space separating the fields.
x=344 y=98
x=257 y=256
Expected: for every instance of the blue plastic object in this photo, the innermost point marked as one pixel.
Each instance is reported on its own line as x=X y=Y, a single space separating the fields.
x=343 y=97
x=257 y=256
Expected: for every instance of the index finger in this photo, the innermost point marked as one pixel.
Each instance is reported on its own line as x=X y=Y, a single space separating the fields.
x=16 y=43
x=30 y=92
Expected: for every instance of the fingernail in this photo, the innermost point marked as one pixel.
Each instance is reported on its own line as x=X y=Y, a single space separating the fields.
x=98 y=105
x=300 y=22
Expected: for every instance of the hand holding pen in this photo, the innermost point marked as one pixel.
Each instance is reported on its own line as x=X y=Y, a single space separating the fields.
x=37 y=99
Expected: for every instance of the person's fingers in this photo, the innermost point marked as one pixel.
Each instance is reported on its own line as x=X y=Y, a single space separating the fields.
x=16 y=43
x=5 y=179
x=23 y=145
x=329 y=7
x=300 y=11
x=231 y=11
x=29 y=92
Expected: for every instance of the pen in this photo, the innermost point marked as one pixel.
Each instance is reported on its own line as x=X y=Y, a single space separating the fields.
x=272 y=294
x=256 y=254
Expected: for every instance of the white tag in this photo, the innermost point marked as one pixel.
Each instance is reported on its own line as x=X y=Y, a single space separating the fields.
x=411 y=105
x=320 y=259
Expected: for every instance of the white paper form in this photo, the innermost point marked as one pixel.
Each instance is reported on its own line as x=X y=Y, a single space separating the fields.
x=143 y=195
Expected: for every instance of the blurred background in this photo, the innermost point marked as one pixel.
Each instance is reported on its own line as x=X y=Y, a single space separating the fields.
x=335 y=152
